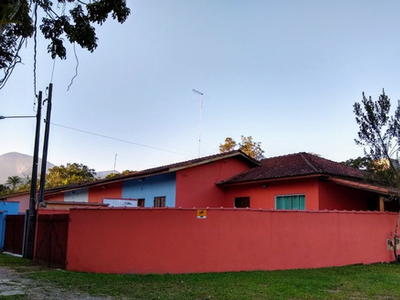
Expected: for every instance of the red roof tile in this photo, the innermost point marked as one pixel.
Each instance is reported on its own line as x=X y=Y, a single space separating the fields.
x=295 y=165
x=237 y=154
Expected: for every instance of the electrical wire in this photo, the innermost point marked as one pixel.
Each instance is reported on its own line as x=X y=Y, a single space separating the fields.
x=35 y=49
x=9 y=70
x=76 y=69
x=116 y=139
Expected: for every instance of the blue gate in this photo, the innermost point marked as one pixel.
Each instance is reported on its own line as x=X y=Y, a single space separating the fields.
x=6 y=208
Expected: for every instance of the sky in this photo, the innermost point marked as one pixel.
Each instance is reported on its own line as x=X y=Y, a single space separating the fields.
x=285 y=72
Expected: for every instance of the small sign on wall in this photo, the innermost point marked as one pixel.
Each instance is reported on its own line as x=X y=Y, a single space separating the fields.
x=201 y=214
x=121 y=202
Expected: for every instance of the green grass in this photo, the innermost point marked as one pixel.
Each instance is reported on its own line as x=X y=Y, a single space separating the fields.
x=378 y=281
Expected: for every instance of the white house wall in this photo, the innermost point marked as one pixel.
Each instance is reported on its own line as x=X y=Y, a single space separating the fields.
x=77 y=196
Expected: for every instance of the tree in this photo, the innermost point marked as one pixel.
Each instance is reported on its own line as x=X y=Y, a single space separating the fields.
x=65 y=19
x=4 y=190
x=13 y=181
x=379 y=134
x=71 y=173
x=26 y=184
x=126 y=172
x=229 y=145
x=247 y=145
x=378 y=170
x=362 y=163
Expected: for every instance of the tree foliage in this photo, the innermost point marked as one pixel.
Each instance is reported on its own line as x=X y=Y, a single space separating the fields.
x=378 y=170
x=247 y=145
x=379 y=134
x=13 y=182
x=362 y=163
x=3 y=190
x=228 y=145
x=123 y=173
x=71 y=20
x=69 y=174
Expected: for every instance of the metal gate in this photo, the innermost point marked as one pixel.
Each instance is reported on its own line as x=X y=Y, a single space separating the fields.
x=51 y=240
x=14 y=234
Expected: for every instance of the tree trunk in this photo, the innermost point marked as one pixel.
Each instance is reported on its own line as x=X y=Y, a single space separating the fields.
x=395 y=238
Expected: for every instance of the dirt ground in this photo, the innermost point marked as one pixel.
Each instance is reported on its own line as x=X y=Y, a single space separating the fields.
x=12 y=284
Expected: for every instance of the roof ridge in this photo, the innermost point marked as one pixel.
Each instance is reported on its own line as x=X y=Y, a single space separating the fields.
x=302 y=154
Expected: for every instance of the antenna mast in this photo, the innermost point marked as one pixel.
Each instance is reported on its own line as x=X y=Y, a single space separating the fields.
x=201 y=110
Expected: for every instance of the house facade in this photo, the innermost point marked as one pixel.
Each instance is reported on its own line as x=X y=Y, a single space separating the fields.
x=225 y=212
x=300 y=181
x=304 y=181
x=186 y=184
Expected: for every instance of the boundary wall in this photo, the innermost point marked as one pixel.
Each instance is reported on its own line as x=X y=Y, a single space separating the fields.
x=218 y=240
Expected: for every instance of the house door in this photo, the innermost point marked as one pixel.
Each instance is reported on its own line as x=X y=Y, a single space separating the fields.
x=14 y=234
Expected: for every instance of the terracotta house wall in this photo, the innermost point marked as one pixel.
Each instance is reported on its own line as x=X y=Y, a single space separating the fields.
x=334 y=196
x=195 y=187
x=176 y=241
x=109 y=190
x=263 y=195
x=23 y=202
x=54 y=197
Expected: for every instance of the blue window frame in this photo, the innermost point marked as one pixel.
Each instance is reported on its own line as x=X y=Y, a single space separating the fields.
x=296 y=202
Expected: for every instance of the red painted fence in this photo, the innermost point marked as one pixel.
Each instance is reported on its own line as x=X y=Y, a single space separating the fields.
x=51 y=239
x=178 y=241
x=14 y=234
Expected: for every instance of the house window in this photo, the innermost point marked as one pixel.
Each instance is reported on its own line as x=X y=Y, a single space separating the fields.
x=242 y=202
x=297 y=202
x=140 y=203
x=159 y=201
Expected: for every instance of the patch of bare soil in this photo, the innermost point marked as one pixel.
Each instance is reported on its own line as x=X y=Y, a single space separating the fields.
x=12 y=284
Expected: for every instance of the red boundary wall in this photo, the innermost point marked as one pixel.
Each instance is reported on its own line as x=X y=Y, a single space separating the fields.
x=177 y=241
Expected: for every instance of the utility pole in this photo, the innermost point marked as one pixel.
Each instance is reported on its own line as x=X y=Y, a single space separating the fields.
x=45 y=145
x=29 y=243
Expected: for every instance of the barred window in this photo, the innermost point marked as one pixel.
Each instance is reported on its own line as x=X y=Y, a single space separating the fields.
x=242 y=202
x=159 y=201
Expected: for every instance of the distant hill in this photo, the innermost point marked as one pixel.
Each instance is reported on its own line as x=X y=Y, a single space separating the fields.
x=103 y=174
x=17 y=164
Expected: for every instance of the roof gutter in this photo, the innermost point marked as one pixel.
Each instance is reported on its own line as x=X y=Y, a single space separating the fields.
x=227 y=184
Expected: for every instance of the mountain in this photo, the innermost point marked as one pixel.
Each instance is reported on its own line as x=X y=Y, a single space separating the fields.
x=17 y=164
x=103 y=174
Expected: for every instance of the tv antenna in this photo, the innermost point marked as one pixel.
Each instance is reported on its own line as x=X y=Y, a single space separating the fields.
x=201 y=110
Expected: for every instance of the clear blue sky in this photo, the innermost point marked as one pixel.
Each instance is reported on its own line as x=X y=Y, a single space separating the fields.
x=285 y=72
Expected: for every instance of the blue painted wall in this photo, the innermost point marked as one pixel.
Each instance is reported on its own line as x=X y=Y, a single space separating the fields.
x=6 y=208
x=150 y=187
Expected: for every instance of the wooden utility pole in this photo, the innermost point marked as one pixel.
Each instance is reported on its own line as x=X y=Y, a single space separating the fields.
x=45 y=146
x=29 y=242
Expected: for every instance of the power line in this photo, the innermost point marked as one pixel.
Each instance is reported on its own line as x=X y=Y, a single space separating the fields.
x=116 y=139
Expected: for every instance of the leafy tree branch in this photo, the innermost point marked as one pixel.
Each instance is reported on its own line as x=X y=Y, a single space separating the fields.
x=71 y=20
x=379 y=134
x=247 y=145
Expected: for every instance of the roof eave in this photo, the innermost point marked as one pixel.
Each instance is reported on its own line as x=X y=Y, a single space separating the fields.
x=262 y=181
x=155 y=171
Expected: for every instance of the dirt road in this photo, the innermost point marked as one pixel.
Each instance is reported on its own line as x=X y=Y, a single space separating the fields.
x=12 y=283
